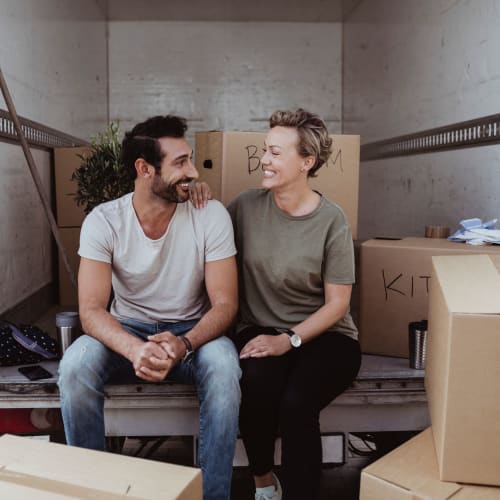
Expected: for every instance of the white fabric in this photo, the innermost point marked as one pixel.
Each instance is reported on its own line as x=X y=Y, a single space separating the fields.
x=163 y=279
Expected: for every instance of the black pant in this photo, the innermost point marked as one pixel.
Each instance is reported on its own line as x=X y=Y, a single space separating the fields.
x=286 y=394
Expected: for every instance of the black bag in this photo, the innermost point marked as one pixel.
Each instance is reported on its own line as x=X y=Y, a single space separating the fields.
x=25 y=344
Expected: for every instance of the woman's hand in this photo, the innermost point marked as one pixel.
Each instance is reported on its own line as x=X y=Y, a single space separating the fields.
x=199 y=194
x=266 y=345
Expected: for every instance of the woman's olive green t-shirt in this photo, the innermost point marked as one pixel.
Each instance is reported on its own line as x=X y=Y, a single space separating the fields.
x=284 y=261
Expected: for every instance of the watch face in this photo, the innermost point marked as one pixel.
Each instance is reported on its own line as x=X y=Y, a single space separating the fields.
x=295 y=340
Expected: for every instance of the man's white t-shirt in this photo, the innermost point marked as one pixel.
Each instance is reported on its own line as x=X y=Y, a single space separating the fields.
x=163 y=279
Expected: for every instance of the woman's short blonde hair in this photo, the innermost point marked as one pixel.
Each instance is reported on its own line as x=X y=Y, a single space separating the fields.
x=314 y=139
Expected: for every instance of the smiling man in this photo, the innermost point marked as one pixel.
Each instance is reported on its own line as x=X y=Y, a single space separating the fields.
x=173 y=275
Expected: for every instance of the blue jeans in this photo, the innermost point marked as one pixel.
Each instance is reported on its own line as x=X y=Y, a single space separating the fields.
x=214 y=369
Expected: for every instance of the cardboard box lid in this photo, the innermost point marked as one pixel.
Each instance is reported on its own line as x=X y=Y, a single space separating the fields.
x=470 y=283
x=76 y=472
x=412 y=468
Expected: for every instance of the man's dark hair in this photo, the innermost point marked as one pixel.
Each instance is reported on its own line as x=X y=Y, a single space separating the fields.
x=142 y=141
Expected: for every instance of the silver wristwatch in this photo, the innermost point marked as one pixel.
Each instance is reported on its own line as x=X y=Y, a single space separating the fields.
x=295 y=339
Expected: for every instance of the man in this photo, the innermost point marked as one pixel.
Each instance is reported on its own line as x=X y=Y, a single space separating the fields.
x=174 y=279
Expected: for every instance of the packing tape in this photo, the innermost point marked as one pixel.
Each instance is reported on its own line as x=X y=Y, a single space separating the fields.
x=437 y=231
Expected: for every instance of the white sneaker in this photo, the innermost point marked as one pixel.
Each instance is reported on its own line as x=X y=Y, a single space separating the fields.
x=269 y=492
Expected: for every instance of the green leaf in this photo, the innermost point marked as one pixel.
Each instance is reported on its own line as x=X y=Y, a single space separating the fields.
x=101 y=176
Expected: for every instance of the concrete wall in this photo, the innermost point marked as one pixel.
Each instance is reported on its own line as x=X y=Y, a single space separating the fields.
x=53 y=57
x=408 y=66
x=230 y=10
x=224 y=75
x=415 y=65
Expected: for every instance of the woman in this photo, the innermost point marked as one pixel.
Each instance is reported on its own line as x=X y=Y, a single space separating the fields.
x=297 y=342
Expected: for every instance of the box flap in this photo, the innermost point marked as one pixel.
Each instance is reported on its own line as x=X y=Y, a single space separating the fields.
x=413 y=466
x=374 y=488
x=470 y=283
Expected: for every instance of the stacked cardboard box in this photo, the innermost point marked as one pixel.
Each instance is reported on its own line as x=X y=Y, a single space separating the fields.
x=230 y=162
x=395 y=276
x=32 y=468
x=411 y=473
x=69 y=218
x=462 y=378
x=462 y=381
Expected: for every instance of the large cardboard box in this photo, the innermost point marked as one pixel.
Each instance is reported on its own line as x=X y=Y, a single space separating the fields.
x=66 y=161
x=68 y=294
x=394 y=288
x=230 y=162
x=462 y=378
x=32 y=468
x=410 y=472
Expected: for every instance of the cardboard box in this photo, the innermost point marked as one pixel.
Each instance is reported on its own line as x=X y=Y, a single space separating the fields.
x=394 y=283
x=32 y=468
x=66 y=160
x=68 y=294
x=462 y=378
x=230 y=163
x=410 y=472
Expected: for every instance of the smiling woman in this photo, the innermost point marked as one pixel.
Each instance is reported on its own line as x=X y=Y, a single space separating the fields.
x=297 y=342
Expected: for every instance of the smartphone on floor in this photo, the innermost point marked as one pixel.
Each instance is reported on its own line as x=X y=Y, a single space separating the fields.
x=35 y=372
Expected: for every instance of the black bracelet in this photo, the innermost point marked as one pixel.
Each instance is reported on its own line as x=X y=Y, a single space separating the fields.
x=189 y=347
x=187 y=343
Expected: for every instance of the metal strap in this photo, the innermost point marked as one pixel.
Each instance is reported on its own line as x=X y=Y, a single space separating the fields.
x=37 y=135
x=478 y=132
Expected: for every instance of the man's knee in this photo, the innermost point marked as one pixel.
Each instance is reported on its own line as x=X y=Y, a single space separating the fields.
x=218 y=358
x=79 y=362
x=219 y=372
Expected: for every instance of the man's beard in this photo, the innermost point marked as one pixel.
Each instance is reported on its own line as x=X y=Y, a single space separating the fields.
x=168 y=192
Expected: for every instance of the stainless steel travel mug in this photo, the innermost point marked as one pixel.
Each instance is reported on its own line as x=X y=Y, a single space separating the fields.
x=68 y=329
x=417 y=343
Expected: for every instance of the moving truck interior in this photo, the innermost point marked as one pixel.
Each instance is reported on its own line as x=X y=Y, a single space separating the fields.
x=417 y=80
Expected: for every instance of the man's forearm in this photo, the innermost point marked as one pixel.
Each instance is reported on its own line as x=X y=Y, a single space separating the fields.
x=213 y=324
x=101 y=325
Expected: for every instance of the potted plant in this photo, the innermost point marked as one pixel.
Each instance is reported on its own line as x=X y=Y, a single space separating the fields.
x=101 y=177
